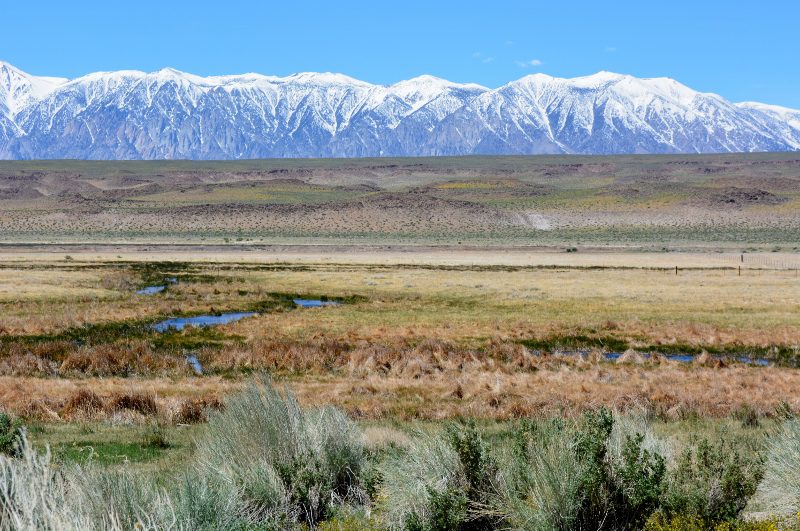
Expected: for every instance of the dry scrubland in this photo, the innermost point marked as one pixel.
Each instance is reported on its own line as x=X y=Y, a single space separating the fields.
x=489 y=289
x=729 y=202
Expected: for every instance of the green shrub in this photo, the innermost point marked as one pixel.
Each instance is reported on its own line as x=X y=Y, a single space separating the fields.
x=591 y=448
x=480 y=471
x=429 y=464
x=712 y=482
x=441 y=482
x=620 y=490
x=638 y=482
x=10 y=435
x=287 y=465
x=542 y=479
x=447 y=510
x=567 y=477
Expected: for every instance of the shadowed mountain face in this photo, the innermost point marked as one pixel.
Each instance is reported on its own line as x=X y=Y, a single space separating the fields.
x=174 y=115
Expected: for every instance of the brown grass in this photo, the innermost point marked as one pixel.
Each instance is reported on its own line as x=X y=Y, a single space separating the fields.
x=418 y=390
x=47 y=398
x=193 y=410
x=668 y=391
x=83 y=404
x=138 y=402
x=120 y=360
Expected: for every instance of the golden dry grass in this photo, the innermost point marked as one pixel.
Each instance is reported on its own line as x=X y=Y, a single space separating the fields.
x=426 y=299
x=708 y=307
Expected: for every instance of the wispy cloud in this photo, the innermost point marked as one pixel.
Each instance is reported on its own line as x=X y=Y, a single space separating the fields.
x=611 y=49
x=529 y=64
x=485 y=59
x=509 y=43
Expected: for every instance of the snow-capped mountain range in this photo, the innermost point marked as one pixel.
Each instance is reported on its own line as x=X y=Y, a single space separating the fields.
x=175 y=115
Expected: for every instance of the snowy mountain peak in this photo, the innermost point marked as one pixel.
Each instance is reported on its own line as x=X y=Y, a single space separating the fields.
x=171 y=73
x=171 y=114
x=535 y=79
x=598 y=80
x=425 y=88
x=324 y=78
x=7 y=69
x=18 y=88
x=427 y=80
x=167 y=75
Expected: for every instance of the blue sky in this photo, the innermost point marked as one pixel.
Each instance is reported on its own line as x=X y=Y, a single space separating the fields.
x=741 y=50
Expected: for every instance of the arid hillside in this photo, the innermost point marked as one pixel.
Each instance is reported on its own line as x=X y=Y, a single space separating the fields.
x=733 y=202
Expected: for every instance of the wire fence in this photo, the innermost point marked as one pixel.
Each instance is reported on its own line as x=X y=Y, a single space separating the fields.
x=784 y=262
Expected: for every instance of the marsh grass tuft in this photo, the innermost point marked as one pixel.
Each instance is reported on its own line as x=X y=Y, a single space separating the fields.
x=138 y=402
x=84 y=403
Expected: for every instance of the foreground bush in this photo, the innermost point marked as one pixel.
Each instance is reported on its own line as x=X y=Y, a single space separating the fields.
x=555 y=476
x=34 y=496
x=10 y=435
x=596 y=472
x=441 y=482
x=561 y=477
x=712 y=482
x=415 y=480
x=542 y=488
x=286 y=465
x=263 y=463
x=779 y=492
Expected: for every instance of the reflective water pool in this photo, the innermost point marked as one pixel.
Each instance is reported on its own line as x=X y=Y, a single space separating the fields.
x=192 y=360
x=179 y=323
x=313 y=303
x=688 y=358
x=151 y=290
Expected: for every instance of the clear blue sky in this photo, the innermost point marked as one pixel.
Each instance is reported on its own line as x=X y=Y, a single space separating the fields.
x=740 y=49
